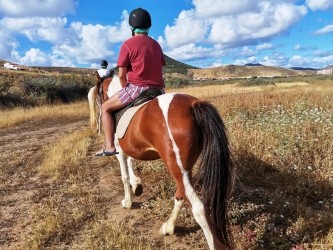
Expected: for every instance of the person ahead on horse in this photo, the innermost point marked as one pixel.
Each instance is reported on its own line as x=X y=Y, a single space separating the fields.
x=140 y=63
x=103 y=71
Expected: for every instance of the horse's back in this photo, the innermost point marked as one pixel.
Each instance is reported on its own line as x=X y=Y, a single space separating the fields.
x=163 y=121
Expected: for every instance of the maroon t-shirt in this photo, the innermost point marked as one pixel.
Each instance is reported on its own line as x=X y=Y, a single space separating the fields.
x=143 y=57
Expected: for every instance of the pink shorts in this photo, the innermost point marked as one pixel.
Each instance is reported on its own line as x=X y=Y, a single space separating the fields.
x=130 y=92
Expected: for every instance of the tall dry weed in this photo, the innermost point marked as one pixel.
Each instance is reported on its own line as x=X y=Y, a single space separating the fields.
x=16 y=116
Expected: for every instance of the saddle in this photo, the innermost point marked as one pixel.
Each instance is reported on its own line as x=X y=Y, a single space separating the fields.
x=143 y=97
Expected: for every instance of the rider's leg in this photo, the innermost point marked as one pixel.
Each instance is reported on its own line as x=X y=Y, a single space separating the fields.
x=112 y=104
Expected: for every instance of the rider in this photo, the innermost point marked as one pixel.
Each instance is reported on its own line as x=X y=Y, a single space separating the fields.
x=140 y=63
x=103 y=71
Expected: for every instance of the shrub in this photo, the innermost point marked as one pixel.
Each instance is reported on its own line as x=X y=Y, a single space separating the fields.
x=41 y=89
x=174 y=82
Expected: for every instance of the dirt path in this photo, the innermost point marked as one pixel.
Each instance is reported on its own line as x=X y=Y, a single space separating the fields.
x=20 y=153
x=21 y=186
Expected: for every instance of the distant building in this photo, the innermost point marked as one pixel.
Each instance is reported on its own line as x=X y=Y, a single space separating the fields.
x=13 y=66
x=10 y=66
x=326 y=71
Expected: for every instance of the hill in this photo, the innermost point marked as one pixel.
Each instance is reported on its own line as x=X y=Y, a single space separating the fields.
x=174 y=66
x=178 y=69
x=235 y=71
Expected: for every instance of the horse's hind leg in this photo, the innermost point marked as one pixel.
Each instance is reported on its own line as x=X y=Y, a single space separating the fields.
x=134 y=180
x=185 y=190
x=198 y=209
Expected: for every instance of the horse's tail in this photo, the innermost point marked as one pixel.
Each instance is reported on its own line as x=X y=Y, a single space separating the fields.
x=92 y=94
x=215 y=174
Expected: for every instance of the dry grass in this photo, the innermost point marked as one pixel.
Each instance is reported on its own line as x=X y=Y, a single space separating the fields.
x=282 y=144
x=64 y=157
x=44 y=113
x=281 y=139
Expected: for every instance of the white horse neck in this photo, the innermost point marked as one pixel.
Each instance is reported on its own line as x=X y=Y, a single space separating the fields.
x=114 y=86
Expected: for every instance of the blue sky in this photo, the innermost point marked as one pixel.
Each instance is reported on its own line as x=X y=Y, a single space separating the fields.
x=202 y=33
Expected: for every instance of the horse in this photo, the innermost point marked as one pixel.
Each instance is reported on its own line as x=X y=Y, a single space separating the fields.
x=180 y=129
x=96 y=96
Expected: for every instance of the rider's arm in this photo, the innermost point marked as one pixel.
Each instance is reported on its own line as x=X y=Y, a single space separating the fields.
x=122 y=76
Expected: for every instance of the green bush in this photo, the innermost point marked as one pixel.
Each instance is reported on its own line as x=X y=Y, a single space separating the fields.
x=257 y=81
x=175 y=82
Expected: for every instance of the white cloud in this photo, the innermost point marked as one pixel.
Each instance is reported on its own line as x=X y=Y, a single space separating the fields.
x=220 y=22
x=70 y=43
x=216 y=8
x=276 y=59
x=189 y=51
x=246 y=51
x=251 y=59
x=8 y=46
x=187 y=29
x=319 y=4
x=35 y=57
x=310 y=61
x=92 y=41
x=215 y=64
x=326 y=30
x=37 y=28
x=264 y=46
x=196 y=54
x=33 y=8
x=297 y=47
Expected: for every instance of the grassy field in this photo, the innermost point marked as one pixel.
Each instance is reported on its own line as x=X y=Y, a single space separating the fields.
x=281 y=138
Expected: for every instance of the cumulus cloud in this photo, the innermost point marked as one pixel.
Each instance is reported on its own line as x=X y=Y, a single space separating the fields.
x=232 y=23
x=319 y=4
x=33 y=8
x=264 y=46
x=37 y=28
x=187 y=29
x=189 y=51
x=196 y=52
x=92 y=41
x=273 y=19
x=70 y=42
x=216 y=8
x=35 y=57
x=276 y=59
x=251 y=59
x=310 y=61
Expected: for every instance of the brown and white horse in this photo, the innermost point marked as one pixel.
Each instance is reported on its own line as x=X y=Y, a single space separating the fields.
x=95 y=100
x=179 y=129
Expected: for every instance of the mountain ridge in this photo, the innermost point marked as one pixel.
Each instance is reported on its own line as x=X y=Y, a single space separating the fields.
x=177 y=68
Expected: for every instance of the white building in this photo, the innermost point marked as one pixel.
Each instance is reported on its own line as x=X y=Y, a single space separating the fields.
x=326 y=71
x=10 y=66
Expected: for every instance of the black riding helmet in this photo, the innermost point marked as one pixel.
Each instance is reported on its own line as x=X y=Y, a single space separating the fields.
x=140 y=19
x=104 y=63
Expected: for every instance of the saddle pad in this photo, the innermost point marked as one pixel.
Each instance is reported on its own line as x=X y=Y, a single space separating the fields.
x=125 y=120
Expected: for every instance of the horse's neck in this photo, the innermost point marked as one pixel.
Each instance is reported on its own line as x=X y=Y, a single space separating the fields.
x=114 y=86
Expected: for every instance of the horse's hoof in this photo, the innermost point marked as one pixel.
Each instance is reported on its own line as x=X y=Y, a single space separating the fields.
x=126 y=204
x=139 y=190
x=167 y=229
